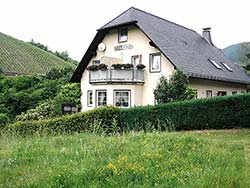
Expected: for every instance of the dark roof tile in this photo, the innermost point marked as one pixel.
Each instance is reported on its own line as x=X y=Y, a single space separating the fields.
x=186 y=49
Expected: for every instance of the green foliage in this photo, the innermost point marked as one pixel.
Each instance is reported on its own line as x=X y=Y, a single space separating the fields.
x=209 y=159
x=23 y=58
x=174 y=89
x=4 y=119
x=69 y=93
x=52 y=108
x=22 y=93
x=214 y=113
x=99 y=120
x=43 y=111
x=54 y=74
x=39 y=45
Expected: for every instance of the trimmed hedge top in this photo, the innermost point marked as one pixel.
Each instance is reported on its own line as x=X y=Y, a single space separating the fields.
x=214 y=113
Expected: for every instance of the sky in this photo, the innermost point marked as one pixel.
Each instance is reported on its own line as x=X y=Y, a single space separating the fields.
x=70 y=25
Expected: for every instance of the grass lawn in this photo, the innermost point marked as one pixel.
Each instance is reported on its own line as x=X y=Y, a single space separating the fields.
x=181 y=159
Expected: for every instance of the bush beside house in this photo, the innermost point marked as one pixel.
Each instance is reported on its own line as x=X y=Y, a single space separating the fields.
x=215 y=113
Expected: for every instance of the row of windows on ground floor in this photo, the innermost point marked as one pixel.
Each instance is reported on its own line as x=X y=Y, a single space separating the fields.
x=121 y=98
x=209 y=93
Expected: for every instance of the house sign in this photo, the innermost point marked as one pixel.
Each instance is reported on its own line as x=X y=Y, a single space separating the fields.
x=123 y=47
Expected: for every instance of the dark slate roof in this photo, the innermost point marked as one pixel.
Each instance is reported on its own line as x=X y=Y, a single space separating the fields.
x=186 y=49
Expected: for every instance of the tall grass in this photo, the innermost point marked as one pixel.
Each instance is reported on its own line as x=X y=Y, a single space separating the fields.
x=183 y=159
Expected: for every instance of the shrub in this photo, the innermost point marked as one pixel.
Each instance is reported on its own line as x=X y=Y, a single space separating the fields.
x=69 y=93
x=214 y=113
x=43 y=111
x=173 y=89
x=99 y=120
x=4 y=119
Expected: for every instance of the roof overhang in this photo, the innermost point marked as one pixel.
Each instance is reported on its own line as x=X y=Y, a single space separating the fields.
x=215 y=78
x=118 y=25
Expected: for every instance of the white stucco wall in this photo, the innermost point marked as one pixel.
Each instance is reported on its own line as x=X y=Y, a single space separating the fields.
x=203 y=85
x=140 y=94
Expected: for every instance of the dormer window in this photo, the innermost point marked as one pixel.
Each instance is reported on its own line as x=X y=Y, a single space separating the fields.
x=123 y=35
x=227 y=67
x=215 y=64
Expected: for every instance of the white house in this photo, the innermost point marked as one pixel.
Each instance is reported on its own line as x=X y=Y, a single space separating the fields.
x=137 y=37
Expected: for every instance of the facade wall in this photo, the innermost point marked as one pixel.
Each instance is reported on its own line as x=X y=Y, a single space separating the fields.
x=140 y=94
x=202 y=86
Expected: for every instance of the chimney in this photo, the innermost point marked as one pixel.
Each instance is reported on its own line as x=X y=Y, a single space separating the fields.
x=207 y=35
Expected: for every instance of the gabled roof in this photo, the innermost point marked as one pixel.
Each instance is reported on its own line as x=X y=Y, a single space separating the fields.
x=186 y=49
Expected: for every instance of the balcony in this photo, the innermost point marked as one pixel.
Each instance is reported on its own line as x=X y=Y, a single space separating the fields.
x=133 y=76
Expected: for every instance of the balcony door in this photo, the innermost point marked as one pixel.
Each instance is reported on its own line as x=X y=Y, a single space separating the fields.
x=135 y=60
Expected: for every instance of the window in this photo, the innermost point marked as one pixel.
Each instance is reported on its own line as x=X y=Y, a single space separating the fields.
x=227 y=67
x=155 y=62
x=221 y=93
x=122 y=98
x=135 y=60
x=215 y=64
x=90 y=98
x=69 y=108
x=101 y=97
x=123 y=35
x=209 y=93
x=234 y=92
x=96 y=62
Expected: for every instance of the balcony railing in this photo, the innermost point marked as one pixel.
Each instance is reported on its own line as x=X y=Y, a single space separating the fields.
x=116 y=75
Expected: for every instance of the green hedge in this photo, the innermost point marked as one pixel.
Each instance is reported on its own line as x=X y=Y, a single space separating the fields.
x=214 y=113
x=97 y=120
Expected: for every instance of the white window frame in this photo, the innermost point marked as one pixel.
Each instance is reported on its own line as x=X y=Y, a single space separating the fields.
x=97 y=97
x=129 y=98
x=123 y=35
x=207 y=92
x=133 y=60
x=90 y=98
x=220 y=93
x=215 y=64
x=151 y=61
x=227 y=67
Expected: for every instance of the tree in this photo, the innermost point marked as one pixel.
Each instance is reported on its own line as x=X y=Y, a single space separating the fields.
x=174 y=89
x=69 y=93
